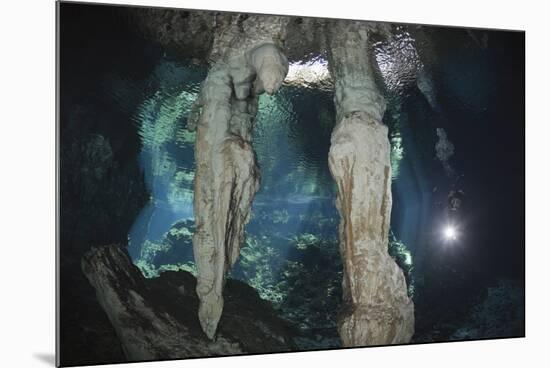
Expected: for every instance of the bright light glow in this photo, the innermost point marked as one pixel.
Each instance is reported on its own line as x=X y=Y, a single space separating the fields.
x=450 y=233
x=308 y=72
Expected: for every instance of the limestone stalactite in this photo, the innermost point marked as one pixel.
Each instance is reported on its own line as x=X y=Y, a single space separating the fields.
x=245 y=61
x=376 y=308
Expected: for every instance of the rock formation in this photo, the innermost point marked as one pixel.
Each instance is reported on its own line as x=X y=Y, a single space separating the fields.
x=245 y=61
x=156 y=318
x=376 y=309
x=444 y=150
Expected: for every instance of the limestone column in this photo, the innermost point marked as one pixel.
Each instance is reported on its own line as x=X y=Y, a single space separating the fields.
x=246 y=60
x=376 y=308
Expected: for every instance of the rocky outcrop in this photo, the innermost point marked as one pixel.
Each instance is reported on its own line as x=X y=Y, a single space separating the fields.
x=444 y=150
x=376 y=309
x=156 y=318
x=246 y=61
x=190 y=33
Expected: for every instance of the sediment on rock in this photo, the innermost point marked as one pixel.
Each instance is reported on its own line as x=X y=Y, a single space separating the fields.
x=156 y=318
x=245 y=61
x=376 y=308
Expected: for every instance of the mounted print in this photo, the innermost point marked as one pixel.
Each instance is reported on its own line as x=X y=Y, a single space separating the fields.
x=234 y=183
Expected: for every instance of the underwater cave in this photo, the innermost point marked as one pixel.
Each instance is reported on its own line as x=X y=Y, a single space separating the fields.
x=138 y=87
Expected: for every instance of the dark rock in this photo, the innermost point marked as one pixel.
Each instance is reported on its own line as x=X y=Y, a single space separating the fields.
x=86 y=335
x=157 y=318
x=500 y=314
x=190 y=37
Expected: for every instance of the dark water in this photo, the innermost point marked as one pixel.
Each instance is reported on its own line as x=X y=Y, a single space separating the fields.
x=125 y=99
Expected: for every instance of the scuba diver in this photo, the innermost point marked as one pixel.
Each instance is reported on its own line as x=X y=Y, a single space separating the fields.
x=455 y=200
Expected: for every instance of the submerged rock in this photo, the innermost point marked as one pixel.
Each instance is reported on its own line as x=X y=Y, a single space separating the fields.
x=157 y=319
x=246 y=61
x=376 y=308
x=500 y=314
x=444 y=150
